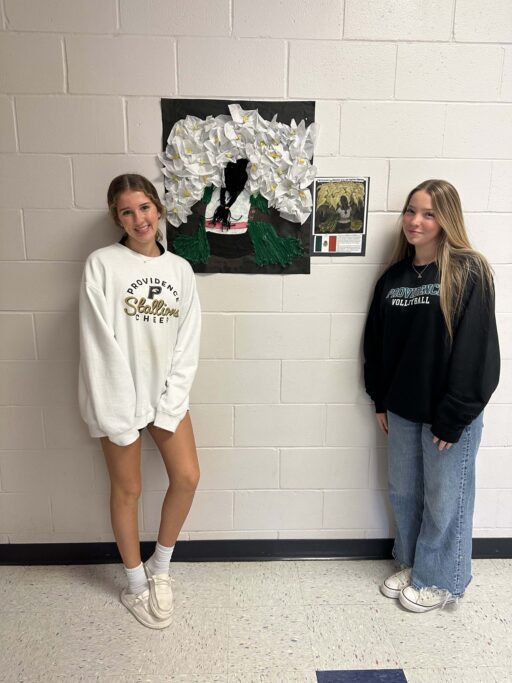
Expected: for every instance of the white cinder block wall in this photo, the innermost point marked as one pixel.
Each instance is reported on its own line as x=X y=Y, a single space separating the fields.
x=405 y=90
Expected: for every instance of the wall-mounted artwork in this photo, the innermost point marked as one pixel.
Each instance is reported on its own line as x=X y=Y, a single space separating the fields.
x=238 y=178
x=340 y=216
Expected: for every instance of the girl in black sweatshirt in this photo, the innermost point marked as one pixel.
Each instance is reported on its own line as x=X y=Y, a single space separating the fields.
x=431 y=365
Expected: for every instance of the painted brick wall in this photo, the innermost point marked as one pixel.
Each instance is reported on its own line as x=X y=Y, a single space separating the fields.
x=405 y=90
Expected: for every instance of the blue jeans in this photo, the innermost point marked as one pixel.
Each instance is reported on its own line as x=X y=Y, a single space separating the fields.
x=432 y=493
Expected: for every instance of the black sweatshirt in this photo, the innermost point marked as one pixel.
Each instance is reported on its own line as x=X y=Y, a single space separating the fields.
x=412 y=369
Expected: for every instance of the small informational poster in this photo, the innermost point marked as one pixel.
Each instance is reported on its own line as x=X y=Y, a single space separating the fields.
x=340 y=213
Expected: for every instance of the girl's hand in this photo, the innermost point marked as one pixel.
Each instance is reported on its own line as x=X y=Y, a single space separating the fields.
x=443 y=445
x=382 y=421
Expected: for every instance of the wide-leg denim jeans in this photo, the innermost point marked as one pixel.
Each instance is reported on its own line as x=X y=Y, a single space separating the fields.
x=432 y=493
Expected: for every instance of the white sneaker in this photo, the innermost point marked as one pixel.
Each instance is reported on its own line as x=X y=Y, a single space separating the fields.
x=425 y=599
x=138 y=605
x=395 y=583
x=161 y=601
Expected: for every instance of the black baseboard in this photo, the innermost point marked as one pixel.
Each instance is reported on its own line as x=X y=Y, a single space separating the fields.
x=230 y=551
x=492 y=548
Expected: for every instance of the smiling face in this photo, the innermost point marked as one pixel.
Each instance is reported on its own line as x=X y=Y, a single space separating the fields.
x=139 y=217
x=420 y=226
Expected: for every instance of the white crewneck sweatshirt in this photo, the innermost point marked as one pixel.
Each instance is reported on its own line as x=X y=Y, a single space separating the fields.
x=140 y=325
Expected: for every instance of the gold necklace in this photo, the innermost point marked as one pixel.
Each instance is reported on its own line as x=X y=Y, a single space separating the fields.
x=419 y=273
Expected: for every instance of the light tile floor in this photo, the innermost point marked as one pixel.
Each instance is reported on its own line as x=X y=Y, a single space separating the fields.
x=254 y=622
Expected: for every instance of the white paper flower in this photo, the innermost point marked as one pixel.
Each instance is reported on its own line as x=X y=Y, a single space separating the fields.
x=301 y=174
x=295 y=205
x=278 y=157
x=177 y=211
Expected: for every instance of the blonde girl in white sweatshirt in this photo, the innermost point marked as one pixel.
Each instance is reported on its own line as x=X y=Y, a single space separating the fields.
x=140 y=324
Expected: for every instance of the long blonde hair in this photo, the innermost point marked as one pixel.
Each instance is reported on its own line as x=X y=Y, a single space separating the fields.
x=456 y=259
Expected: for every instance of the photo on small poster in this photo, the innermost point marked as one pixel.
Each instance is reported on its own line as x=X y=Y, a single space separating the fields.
x=340 y=213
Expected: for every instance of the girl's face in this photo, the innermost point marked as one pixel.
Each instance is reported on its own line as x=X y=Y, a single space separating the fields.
x=419 y=223
x=139 y=217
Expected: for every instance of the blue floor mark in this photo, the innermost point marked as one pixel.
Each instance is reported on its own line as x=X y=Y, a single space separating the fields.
x=362 y=676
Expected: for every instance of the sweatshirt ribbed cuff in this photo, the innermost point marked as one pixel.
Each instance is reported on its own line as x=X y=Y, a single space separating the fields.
x=125 y=438
x=445 y=432
x=166 y=421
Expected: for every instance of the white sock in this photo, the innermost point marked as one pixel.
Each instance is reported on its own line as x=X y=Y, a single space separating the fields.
x=137 y=579
x=159 y=561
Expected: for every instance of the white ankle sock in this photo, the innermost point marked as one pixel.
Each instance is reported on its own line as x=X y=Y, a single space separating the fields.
x=159 y=561
x=137 y=579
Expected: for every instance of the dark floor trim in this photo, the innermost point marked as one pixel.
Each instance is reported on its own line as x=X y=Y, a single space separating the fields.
x=492 y=548
x=228 y=551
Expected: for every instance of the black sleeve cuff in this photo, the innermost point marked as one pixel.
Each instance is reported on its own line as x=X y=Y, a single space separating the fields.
x=448 y=433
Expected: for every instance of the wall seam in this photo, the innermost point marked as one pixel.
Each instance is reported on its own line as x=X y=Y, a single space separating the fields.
x=388 y=184
x=126 y=140
x=43 y=428
x=489 y=192
x=5 y=21
x=65 y=69
x=445 y=123
x=286 y=69
x=499 y=94
x=176 y=69
x=234 y=317
x=454 y=13
x=14 y=112
x=396 y=72
x=118 y=16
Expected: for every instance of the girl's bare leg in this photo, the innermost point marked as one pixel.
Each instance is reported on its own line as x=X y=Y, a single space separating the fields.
x=123 y=463
x=179 y=454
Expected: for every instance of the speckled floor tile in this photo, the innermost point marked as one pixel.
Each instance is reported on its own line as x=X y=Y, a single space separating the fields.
x=200 y=584
x=273 y=676
x=9 y=578
x=11 y=627
x=166 y=678
x=467 y=675
x=43 y=678
x=269 y=637
x=340 y=582
x=451 y=637
x=196 y=642
x=88 y=586
x=502 y=674
x=492 y=580
x=505 y=564
x=492 y=622
x=268 y=622
x=264 y=583
x=350 y=637
x=54 y=643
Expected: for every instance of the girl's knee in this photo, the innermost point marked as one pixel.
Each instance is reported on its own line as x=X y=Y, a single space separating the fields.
x=187 y=480
x=127 y=492
x=192 y=478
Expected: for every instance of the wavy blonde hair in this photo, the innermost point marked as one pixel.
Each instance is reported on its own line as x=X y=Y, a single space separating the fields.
x=456 y=258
